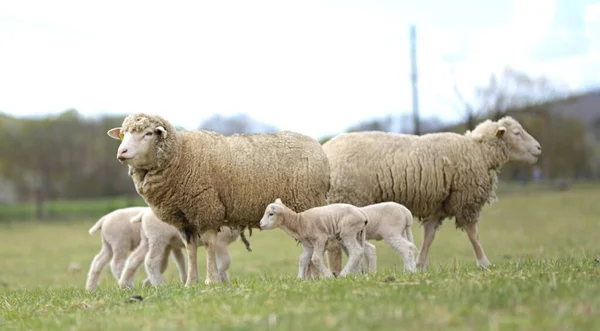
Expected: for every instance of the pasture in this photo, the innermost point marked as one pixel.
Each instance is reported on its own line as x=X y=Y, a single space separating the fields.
x=545 y=246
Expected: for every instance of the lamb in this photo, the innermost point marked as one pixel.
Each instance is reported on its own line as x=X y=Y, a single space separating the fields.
x=436 y=176
x=316 y=226
x=199 y=181
x=391 y=222
x=158 y=239
x=118 y=237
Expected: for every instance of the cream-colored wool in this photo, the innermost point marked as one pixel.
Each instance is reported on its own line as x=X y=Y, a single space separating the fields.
x=118 y=237
x=158 y=239
x=314 y=227
x=436 y=176
x=199 y=181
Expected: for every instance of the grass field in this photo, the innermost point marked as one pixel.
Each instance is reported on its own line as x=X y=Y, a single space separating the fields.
x=545 y=247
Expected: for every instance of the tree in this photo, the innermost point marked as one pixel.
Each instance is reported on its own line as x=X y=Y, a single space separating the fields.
x=240 y=123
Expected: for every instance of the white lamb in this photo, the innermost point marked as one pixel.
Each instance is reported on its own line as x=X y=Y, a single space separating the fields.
x=314 y=227
x=158 y=239
x=119 y=237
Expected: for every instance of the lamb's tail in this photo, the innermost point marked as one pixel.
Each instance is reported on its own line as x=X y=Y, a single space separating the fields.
x=137 y=218
x=96 y=226
x=362 y=235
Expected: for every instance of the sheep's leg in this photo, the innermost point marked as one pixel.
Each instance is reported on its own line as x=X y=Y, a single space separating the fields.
x=405 y=249
x=305 y=268
x=334 y=255
x=98 y=263
x=192 y=251
x=133 y=263
x=355 y=252
x=317 y=257
x=371 y=256
x=210 y=242
x=431 y=227
x=482 y=260
x=177 y=255
x=157 y=253
x=223 y=261
x=118 y=261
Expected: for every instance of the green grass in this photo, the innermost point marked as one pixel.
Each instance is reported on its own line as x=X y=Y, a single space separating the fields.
x=547 y=277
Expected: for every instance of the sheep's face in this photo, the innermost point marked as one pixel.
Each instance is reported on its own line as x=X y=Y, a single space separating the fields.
x=137 y=148
x=273 y=216
x=523 y=147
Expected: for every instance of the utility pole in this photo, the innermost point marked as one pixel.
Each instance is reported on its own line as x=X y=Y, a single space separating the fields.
x=413 y=78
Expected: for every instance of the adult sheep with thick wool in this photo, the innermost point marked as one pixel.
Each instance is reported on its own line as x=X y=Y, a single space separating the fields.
x=436 y=175
x=198 y=181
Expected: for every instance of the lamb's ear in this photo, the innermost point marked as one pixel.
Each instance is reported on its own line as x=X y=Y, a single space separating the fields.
x=115 y=133
x=162 y=131
x=500 y=132
x=278 y=201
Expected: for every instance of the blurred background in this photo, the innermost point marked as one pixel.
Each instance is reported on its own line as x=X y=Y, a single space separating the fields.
x=71 y=70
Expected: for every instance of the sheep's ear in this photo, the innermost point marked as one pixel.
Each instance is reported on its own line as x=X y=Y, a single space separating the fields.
x=162 y=131
x=115 y=133
x=278 y=201
x=500 y=132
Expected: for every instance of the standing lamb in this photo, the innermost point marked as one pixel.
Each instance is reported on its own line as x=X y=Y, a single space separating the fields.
x=199 y=181
x=119 y=237
x=316 y=226
x=435 y=175
x=158 y=239
x=392 y=223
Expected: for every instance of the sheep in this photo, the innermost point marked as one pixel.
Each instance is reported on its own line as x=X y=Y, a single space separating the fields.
x=199 y=181
x=314 y=227
x=118 y=238
x=392 y=223
x=436 y=175
x=157 y=240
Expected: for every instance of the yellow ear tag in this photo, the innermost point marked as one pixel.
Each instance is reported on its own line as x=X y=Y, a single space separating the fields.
x=121 y=136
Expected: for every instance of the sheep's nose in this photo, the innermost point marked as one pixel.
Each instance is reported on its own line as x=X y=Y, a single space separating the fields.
x=539 y=147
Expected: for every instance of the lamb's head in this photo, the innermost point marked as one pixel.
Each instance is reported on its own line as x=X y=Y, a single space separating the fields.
x=273 y=215
x=143 y=138
x=521 y=145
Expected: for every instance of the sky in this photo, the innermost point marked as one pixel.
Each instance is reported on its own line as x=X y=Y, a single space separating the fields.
x=316 y=67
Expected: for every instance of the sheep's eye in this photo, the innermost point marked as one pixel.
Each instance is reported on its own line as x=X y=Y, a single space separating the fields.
x=271 y=214
x=149 y=133
x=517 y=133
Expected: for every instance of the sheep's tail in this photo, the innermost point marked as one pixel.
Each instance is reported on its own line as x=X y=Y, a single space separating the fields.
x=363 y=232
x=96 y=226
x=245 y=240
x=137 y=218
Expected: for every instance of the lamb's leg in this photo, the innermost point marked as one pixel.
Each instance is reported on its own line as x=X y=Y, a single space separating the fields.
x=212 y=271
x=482 y=260
x=405 y=249
x=223 y=261
x=157 y=253
x=192 y=250
x=430 y=227
x=98 y=263
x=355 y=252
x=177 y=255
x=133 y=263
x=118 y=261
x=334 y=255
x=305 y=268
x=317 y=257
x=371 y=256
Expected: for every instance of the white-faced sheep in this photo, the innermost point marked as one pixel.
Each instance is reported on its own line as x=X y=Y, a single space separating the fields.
x=118 y=237
x=314 y=227
x=436 y=176
x=199 y=181
x=158 y=239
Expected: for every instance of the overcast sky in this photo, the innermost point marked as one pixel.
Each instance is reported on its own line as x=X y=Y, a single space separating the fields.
x=316 y=67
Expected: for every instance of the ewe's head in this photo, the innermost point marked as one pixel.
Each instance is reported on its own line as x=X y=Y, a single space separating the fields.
x=142 y=138
x=521 y=145
x=273 y=215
